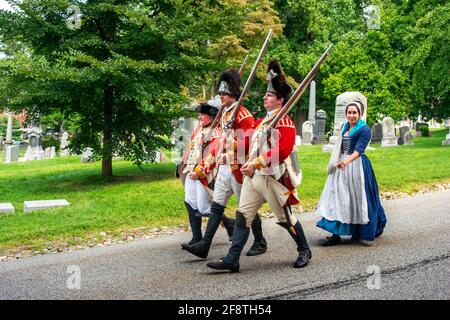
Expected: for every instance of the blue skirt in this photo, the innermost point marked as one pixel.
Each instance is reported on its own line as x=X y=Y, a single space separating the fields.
x=377 y=217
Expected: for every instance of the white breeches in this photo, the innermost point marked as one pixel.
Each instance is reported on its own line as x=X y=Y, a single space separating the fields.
x=225 y=186
x=197 y=196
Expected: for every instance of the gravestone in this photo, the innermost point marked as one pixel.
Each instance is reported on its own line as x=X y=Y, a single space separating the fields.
x=377 y=133
x=9 y=129
x=29 y=206
x=403 y=130
x=6 y=208
x=181 y=136
x=1 y=142
x=319 y=128
x=408 y=139
x=34 y=150
x=389 y=138
x=12 y=153
x=64 y=140
x=87 y=155
x=447 y=138
x=47 y=153
x=52 y=152
x=64 y=150
x=307 y=132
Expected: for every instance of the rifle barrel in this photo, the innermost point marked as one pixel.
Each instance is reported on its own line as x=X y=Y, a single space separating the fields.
x=301 y=89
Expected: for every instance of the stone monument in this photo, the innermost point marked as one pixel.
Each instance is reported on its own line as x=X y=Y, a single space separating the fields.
x=307 y=132
x=403 y=130
x=389 y=138
x=87 y=155
x=319 y=128
x=447 y=138
x=64 y=150
x=377 y=133
x=34 y=150
x=408 y=139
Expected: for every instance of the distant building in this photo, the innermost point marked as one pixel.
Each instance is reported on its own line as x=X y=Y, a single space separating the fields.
x=21 y=117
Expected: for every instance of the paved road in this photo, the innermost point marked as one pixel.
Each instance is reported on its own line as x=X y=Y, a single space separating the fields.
x=410 y=261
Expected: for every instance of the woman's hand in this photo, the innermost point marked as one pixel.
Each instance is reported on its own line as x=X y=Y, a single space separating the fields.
x=342 y=164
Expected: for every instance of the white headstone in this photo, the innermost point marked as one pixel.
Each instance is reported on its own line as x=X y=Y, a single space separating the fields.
x=29 y=206
x=87 y=155
x=52 y=152
x=307 y=132
x=447 y=138
x=64 y=140
x=408 y=138
x=12 y=153
x=298 y=140
x=6 y=208
x=47 y=153
x=9 y=129
x=389 y=138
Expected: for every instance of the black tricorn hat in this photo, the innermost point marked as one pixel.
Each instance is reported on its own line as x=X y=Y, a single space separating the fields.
x=229 y=83
x=207 y=109
x=277 y=80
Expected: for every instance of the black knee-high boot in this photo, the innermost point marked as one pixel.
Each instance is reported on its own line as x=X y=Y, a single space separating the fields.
x=196 y=224
x=240 y=237
x=228 y=223
x=304 y=253
x=201 y=248
x=259 y=245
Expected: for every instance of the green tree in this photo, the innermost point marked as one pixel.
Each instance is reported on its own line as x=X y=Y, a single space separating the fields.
x=128 y=68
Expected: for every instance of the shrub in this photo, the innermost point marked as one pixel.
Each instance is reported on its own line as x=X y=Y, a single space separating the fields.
x=51 y=142
x=424 y=131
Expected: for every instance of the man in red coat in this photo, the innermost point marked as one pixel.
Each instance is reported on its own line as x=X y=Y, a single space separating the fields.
x=229 y=153
x=269 y=176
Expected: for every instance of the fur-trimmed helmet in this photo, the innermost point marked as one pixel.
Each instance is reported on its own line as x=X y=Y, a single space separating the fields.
x=277 y=81
x=229 y=83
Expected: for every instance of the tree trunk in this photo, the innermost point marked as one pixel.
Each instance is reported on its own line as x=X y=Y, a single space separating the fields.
x=107 y=132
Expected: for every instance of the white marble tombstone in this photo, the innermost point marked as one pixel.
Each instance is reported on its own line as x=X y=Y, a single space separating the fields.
x=87 y=155
x=52 y=152
x=12 y=153
x=447 y=138
x=389 y=138
x=9 y=129
x=408 y=139
x=307 y=132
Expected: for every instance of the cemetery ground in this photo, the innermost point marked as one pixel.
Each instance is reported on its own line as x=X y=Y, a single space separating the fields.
x=140 y=202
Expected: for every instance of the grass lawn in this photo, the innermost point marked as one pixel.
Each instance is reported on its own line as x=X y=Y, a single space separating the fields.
x=152 y=197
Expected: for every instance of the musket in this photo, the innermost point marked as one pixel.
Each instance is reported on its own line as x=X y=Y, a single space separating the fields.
x=300 y=90
x=243 y=65
x=222 y=107
x=230 y=122
x=285 y=110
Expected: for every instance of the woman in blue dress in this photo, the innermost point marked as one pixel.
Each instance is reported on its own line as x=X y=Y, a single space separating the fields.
x=349 y=204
